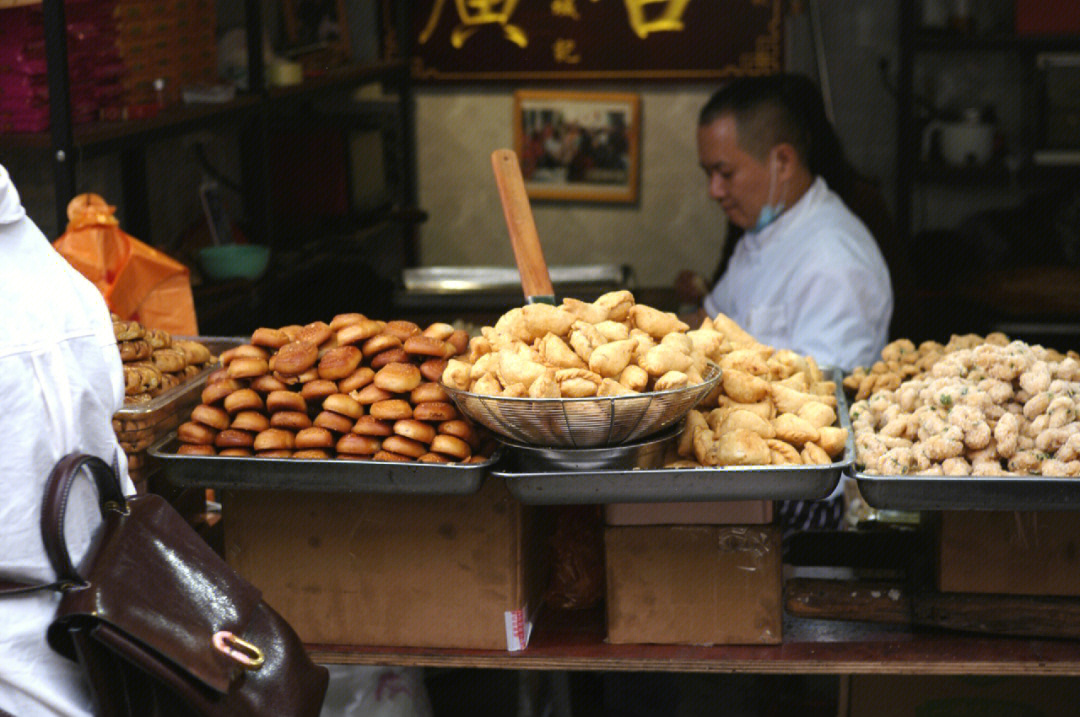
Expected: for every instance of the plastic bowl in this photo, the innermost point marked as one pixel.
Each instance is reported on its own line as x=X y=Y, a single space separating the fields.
x=234 y=261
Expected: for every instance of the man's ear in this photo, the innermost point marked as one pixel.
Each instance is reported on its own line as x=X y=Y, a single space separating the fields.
x=787 y=161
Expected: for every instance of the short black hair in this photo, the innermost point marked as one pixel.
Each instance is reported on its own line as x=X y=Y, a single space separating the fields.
x=768 y=111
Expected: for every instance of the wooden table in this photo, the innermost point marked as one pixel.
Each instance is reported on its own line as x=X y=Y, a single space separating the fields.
x=574 y=642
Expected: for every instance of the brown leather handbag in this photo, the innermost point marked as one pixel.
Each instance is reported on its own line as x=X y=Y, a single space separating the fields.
x=160 y=624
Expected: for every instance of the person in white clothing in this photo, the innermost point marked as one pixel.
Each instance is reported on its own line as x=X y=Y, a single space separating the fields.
x=61 y=381
x=806 y=273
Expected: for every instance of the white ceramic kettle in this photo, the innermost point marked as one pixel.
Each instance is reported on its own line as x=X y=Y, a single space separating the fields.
x=967 y=142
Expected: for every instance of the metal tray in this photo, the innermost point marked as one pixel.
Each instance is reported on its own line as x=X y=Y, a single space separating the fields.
x=486 y=278
x=330 y=475
x=914 y=492
x=666 y=485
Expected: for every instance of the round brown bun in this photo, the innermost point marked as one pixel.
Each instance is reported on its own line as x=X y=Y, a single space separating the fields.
x=343 y=404
x=427 y=392
x=401 y=329
x=339 y=362
x=432 y=369
x=459 y=341
x=218 y=374
x=371 y=393
x=404 y=446
x=274 y=439
x=270 y=338
x=315 y=391
x=433 y=458
x=392 y=409
x=371 y=426
x=379 y=343
x=398 y=377
x=437 y=411
x=285 y=401
x=236 y=452
x=254 y=421
x=234 y=438
x=334 y=422
x=268 y=384
x=292 y=331
x=314 y=437
x=389 y=456
x=192 y=432
x=274 y=453
x=439 y=330
x=317 y=332
x=283 y=378
x=195 y=449
x=460 y=429
x=354 y=445
x=451 y=446
x=359 y=332
x=291 y=420
x=421 y=345
x=312 y=374
x=340 y=321
x=216 y=418
x=295 y=357
x=311 y=454
x=244 y=399
x=356 y=380
x=244 y=367
x=415 y=430
x=395 y=355
x=249 y=351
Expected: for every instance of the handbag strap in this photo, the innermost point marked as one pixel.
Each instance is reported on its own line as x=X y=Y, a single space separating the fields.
x=53 y=511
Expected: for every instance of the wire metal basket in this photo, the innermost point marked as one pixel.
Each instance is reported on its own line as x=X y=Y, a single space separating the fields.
x=583 y=422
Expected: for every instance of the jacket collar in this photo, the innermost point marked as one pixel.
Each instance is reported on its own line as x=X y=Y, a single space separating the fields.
x=11 y=209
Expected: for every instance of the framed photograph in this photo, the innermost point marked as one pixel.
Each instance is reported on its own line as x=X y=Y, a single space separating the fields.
x=578 y=146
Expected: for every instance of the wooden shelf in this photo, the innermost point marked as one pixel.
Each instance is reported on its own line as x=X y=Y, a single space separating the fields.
x=18 y=3
x=575 y=642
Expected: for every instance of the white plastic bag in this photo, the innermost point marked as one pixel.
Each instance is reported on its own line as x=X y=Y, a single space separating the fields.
x=376 y=691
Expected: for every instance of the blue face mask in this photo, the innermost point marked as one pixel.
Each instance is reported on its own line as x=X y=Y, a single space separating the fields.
x=770 y=211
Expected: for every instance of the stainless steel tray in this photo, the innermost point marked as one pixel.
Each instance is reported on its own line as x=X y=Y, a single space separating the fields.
x=485 y=278
x=914 y=492
x=330 y=475
x=666 y=485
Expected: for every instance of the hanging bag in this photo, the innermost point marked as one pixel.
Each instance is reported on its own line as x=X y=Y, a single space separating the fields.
x=159 y=623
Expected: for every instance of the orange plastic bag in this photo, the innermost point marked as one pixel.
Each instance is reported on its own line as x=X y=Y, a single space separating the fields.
x=139 y=283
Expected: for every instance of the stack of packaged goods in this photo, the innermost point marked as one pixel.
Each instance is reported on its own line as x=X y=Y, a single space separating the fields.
x=165 y=45
x=94 y=66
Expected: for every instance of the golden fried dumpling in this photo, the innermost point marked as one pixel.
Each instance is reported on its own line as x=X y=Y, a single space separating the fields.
x=634 y=378
x=487 y=363
x=783 y=453
x=518 y=366
x=577 y=382
x=814 y=454
x=545 y=386
x=708 y=343
x=747 y=360
x=613 y=330
x=456 y=374
x=732 y=331
x=788 y=400
x=589 y=313
x=513 y=325
x=694 y=420
x=817 y=413
x=615 y=304
x=487 y=385
x=744 y=387
x=741 y=418
x=611 y=358
x=654 y=322
x=556 y=353
x=611 y=387
x=741 y=448
x=584 y=338
x=541 y=319
x=660 y=359
x=671 y=380
x=832 y=439
x=796 y=431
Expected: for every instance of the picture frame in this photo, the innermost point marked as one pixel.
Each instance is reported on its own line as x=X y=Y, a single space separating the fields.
x=578 y=146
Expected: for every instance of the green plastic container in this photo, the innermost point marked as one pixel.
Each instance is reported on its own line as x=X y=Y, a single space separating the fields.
x=234 y=261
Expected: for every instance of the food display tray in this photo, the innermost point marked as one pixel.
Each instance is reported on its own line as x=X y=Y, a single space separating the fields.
x=329 y=475
x=914 y=492
x=665 y=485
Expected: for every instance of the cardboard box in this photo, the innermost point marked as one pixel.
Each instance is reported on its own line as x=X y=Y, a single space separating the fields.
x=734 y=512
x=953 y=696
x=419 y=571
x=1016 y=553
x=696 y=585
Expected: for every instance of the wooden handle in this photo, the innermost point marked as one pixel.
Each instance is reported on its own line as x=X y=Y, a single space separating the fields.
x=519 y=220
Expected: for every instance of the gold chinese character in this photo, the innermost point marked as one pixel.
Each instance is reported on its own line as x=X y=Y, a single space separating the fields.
x=563 y=50
x=566 y=8
x=473 y=14
x=670 y=20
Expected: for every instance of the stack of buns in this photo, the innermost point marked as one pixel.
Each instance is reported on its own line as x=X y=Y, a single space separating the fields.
x=155 y=361
x=353 y=388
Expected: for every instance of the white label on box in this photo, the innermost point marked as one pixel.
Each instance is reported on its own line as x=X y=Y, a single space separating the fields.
x=518 y=630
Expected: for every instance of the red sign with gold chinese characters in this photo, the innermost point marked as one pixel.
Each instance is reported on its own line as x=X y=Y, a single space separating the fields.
x=596 y=39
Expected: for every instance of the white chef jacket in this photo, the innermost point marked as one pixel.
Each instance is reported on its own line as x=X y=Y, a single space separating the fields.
x=60 y=383
x=813 y=281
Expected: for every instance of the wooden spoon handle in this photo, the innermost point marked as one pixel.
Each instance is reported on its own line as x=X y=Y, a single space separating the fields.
x=535 y=280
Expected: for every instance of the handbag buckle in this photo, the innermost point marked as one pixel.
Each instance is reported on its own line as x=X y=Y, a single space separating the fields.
x=242 y=651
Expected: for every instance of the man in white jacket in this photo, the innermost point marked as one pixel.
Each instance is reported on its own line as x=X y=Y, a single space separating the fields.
x=60 y=381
